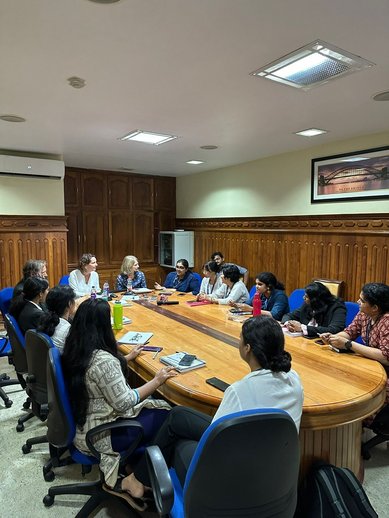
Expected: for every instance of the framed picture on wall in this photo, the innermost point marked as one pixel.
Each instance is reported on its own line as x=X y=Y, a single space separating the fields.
x=352 y=176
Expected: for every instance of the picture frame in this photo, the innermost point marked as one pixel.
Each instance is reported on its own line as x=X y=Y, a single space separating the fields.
x=360 y=175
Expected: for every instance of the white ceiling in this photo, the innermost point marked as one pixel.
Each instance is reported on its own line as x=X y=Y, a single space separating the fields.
x=182 y=67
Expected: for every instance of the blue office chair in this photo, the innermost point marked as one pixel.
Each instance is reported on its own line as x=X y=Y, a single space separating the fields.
x=64 y=280
x=246 y=464
x=252 y=291
x=296 y=299
x=5 y=346
x=5 y=299
x=352 y=308
x=61 y=430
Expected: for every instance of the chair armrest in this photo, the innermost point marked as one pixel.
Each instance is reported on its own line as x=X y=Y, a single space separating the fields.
x=160 y=480
x=114 y=425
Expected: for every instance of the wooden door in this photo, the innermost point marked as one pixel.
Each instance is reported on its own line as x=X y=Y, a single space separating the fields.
x=165 y=194
x=143 y=193
x=74 y=236
x=72 y=189
x=121 y=239
x=144 y=236
x=94 y=191
x=119 y=192
x=95 y=235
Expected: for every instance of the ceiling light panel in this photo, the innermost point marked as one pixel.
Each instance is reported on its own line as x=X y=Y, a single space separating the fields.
x=311 y=132
x=312 y=65
x=195 y=162
x=148 y=137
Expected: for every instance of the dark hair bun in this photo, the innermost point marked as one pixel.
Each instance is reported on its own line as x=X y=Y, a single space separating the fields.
x=281 y=362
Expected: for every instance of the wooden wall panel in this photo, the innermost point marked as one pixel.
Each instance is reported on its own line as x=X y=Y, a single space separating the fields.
x=32 y=237
x=298 y=249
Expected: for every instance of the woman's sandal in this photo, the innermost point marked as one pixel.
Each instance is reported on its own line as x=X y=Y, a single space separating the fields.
x=136 y=503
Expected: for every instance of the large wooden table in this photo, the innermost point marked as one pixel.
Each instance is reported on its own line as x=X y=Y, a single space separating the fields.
x=340 y=390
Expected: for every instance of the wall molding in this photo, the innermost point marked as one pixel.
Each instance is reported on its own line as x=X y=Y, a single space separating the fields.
x=33 y=223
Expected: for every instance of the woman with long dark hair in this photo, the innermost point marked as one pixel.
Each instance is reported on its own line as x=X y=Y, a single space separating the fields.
x=95 y=373
x=274 y=300
x=61 y=306
x=321 y=312
x=181 y=280
x=211 y=281
x=26 y=307
x=271 y=383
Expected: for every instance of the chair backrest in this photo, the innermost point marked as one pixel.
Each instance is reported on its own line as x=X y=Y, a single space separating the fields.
x=37 y=348
x=198 y=276
x=247 y=462
x=5 y=299
x=18 y=344
x=296 y=299
x=335 y=287
x=253 y=290
x=64 y=280
x=352 y=308
x=61 y=427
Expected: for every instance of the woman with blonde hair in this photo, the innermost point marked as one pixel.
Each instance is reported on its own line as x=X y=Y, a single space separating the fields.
x=130 y=270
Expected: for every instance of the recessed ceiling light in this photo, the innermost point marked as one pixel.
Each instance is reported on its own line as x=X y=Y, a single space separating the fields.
x=12 y=118
x=311 y=132
x=104 y=1
x=382 y=96
x=209 y=148
x=148 y=137
x=312 y=65
x=76 y=82
x=194 y=162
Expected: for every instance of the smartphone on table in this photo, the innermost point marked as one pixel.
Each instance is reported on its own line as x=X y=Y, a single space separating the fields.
x=187 y=360
x=217 y=383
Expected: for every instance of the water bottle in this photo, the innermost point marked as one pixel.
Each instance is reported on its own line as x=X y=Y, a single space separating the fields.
x=105 y=291
x=117 y=315
x=129 y=285
x=257 y=305
x=93 y=293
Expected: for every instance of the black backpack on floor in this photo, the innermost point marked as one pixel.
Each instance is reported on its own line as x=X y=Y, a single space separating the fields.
x=331 y=492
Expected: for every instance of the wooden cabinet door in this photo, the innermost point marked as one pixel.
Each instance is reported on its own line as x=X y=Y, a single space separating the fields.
x=94 y=191
x=120 y=236
x=74 y=234
x=165 y=194
x=144 y=236
x=119 y=192
x=72 y=189
x=95 y=233
x=142 y=193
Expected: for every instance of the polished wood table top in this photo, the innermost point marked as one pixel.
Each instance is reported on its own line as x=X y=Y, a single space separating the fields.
x=338 y=388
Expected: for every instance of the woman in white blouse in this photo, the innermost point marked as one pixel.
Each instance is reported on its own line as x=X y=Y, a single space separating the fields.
x=85 y=277
x=211 y=281
x=232 y=288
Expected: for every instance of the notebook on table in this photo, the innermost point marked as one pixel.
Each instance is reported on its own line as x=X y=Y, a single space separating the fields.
x=173 y=360
x=141 y=290
x=135 y=338
x=198 y=302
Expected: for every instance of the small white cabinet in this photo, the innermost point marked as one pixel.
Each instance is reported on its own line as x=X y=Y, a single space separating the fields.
x=175 y=245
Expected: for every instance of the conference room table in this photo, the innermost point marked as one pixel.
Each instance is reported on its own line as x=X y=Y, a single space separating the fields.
x=340 y=390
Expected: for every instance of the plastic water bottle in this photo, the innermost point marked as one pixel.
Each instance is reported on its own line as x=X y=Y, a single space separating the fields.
x=93 y=293
x=117 y=315
x=129 y=285
x=257 y=305
x=105 y=291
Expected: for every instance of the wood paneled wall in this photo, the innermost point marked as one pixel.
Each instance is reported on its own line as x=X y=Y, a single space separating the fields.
x=32 y=237
x=300 y=248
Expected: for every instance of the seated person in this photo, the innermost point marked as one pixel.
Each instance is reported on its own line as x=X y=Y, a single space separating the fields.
x=218 y=257
x=271 y=383
x=26 y=308
x=321 y=312
x=61 y=306
x=85 y=277
x=232 y=289
x=96 y=378
x=274 y=300
x=371 y=324
x=32 y=268
x=211 y=281
x=181 y=280
x=130 y=270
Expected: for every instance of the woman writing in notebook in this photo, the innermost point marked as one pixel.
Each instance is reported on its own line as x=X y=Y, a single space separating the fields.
x=130 y=271
x=95 y=374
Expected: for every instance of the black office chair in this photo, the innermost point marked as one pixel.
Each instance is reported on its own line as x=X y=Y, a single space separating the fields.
x=37 y=348
x=61 y=429
x=246 y=464
x=5 y=347
x=380 y=427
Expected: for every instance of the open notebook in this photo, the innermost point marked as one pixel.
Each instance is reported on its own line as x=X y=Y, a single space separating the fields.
x=135 y=338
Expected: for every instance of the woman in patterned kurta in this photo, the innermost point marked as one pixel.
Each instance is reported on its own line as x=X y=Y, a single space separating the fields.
x=95 y=376
x=371 y=324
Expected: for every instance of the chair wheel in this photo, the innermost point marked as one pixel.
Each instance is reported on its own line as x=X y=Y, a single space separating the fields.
x=49 y=477
x=48 y=500
x=20 y=427
x=8 y=403
x=26 y=405
x=26 y=448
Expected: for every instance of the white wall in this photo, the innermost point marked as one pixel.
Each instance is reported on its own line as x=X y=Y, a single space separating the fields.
x=274 y=186
x=21 y=196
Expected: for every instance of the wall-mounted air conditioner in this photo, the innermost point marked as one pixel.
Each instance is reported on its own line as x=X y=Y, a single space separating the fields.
x=31 y=167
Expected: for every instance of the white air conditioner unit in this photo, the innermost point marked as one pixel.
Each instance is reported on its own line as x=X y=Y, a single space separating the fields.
x=31 y=167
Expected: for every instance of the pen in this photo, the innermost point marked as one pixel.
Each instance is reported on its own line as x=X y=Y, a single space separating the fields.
x=155 y=355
